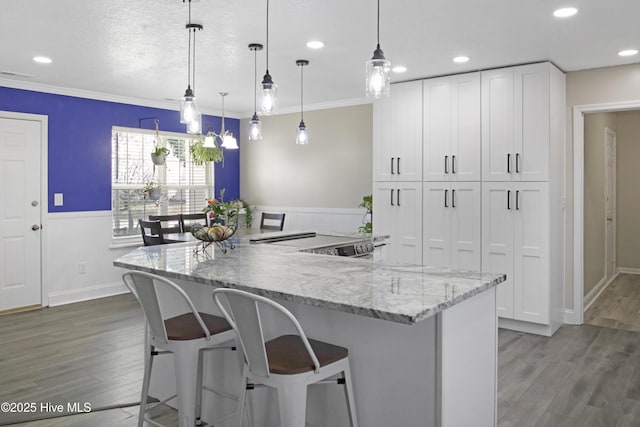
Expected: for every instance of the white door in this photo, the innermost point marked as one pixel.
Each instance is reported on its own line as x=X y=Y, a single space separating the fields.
x=383 y=219
x=497 y=240
x=437 y=129
x=406 y=131
x=436 y=246
x=610 y=202
x=531 y=249
x=381 y=140
x=408 y=223
x=465 y=226
x=20 y=280
x=465 y=127
x=497 y=125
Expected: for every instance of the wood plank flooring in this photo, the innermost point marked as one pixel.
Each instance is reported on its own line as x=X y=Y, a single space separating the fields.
x=92 y=351
x=618 y=306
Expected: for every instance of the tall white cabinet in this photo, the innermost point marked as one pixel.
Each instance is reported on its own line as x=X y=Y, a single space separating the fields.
x=477 y=161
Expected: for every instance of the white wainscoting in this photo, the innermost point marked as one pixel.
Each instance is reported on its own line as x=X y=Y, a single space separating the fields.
x=315 y=219
x=81 y=241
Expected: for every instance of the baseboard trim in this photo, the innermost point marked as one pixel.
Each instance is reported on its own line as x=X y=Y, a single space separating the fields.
x=88 y=293
x=527 y=327
x=628 y=270
x=594 y=293
x=571 y=317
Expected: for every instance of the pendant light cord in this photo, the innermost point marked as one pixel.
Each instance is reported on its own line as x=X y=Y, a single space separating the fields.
x=268 y=36
x=255 y=79
x=301 y=93
x=378 y=25
x=189 y=50
x=194 y=54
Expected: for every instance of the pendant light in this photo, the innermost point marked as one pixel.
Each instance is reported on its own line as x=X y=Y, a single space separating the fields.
x=188 y=107
x=255 y=127
x=301 y=137
x=228 y=140
x=378 y=84
x=269 y=90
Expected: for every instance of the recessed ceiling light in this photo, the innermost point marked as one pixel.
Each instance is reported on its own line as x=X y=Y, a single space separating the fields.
x=42 y=59
x=565 y=12
x=315 y=44
x=399 y=69
x=628 y=52
x=460 y=59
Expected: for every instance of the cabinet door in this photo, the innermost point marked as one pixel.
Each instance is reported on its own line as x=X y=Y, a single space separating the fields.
x=436 y=243
x=465 y=127
x=383 y=219
x=381 y=137
x=465 y=226
x=531 y=104
x=437 y=129
x=406 y=130
x=497 y=125
x=531 y=249
x=497 y=240
x=408 y=223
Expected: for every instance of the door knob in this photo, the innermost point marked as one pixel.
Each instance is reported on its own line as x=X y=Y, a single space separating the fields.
x=35 y=227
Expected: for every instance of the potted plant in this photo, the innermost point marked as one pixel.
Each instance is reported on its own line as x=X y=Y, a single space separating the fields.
x=151 y=190
x=202 y=154
x=367 y=203
x=159 y=155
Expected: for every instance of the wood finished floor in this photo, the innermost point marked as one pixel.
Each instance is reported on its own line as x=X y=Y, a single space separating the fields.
x=91 y=351
x=618 y=306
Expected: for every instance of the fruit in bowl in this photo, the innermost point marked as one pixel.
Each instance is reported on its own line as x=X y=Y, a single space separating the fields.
x=215 y=233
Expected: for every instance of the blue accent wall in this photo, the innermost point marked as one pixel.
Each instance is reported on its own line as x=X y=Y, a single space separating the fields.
x=80 y=144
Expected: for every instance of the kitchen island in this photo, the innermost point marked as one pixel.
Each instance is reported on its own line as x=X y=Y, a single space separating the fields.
x=422 y=341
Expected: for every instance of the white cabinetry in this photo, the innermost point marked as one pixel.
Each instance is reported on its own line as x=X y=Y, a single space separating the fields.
x=452 y=128
x=516 y=241
x=398 y=213
x=397 y=136
x=516 y=123
x=451 y=235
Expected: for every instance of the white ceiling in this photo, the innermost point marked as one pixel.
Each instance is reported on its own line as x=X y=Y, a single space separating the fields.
x=138 y=48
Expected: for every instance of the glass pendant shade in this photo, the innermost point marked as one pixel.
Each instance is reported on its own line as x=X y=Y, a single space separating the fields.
x=188 y=107
x=302 y=138
x=195 y=125
x=268 y=96
x=229 y=141
x=378 y=69
x=255 y=128
x=209 y=141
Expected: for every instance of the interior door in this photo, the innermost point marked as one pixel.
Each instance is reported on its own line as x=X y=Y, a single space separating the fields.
x=20 y=279
x=610 y=203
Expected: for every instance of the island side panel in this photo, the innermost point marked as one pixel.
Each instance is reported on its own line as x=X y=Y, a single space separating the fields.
x=467 y=362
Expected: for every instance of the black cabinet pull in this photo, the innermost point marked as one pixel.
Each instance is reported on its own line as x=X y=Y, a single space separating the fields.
x=517 y=199
x=398 y=197
x=453 y=166
x=392 y=197
x=446 y=164
x=518 y=163
x=508 y=199
x=508 y=162
x=392 y=173
x=398 y=166
x=445 y=198
x=453 y=198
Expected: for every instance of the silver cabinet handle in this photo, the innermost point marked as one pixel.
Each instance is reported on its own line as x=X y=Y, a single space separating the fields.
x=453 y=165
x=446 y=164
x=518 y=162
x=392 y=197
x=35 y=227
x=508 y=199
x=392 y=173
x=508 y=162
x=517 y=199
x=398 y=197
x=398 y=166
x=453 y=198
x=445 y=198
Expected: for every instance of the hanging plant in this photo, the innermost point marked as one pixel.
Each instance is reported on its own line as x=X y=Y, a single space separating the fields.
x=202 y=154
x=159 y=155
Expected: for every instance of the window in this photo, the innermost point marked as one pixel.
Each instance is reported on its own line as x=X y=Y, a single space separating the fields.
x=135 y=181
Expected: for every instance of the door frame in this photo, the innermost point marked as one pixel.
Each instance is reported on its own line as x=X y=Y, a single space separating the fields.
x=610 y=174
x=577 y=316
x=44 y=192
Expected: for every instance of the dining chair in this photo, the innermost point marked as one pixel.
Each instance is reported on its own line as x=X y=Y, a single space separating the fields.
x=151 y=233
x=170 y=223
x=186 y=336
x=288 y=363
x=272 y=221
x=187 y=220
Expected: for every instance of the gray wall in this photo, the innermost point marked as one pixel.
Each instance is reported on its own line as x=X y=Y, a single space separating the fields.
x=333 y=171
x=594 y=202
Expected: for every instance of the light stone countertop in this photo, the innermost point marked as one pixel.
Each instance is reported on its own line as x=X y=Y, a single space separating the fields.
x=404 y=294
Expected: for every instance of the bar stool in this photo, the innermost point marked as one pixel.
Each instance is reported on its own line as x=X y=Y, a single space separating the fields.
x=288 y=363
x=186 y=336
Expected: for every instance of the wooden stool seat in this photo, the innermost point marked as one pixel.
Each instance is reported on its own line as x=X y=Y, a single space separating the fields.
x=186 y=327
x=287 y=354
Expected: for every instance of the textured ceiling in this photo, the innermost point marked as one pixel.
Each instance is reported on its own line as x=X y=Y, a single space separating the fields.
x=138 y=48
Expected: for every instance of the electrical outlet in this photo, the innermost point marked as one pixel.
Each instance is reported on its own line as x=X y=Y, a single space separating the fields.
x=82 y=268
